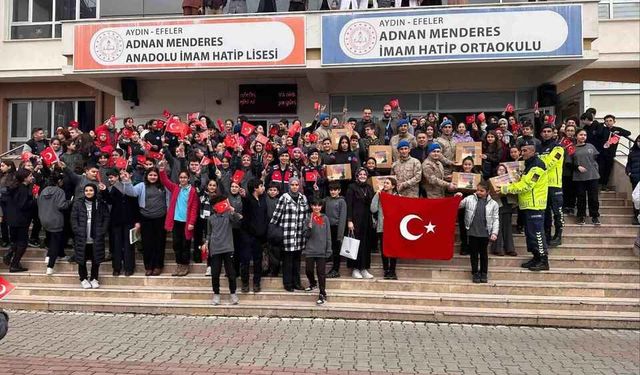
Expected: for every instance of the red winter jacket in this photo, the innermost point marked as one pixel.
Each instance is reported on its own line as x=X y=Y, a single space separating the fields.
x=193 y=205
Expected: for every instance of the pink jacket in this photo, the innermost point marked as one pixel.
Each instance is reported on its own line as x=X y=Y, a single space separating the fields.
x=193 y=205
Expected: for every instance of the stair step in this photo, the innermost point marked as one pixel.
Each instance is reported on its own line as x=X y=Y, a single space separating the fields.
x=612 y=209
x=456 y=314
x=607 y=260
x=340 y=296
x=440 y=272
x=611 y=219
x=463 y=285
x=566 y=249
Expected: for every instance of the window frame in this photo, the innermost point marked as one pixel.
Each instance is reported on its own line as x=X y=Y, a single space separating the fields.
x=53 y=23
x=29 y=102
x=611 y=3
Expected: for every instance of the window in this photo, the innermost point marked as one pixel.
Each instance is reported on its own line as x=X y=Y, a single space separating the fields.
x=40 y=19
x=619 y=9
x=47 y=114
x=419 y=104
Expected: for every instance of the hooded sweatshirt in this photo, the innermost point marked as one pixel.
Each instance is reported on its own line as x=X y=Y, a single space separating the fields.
x=51 y=203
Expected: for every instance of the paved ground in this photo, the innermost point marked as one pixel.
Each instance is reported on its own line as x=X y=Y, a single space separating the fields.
x=74 y=343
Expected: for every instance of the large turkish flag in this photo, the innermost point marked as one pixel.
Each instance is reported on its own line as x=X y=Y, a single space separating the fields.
x=419 y=228
x=5 y=287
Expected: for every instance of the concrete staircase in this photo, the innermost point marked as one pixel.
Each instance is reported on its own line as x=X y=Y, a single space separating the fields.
x=594 y=282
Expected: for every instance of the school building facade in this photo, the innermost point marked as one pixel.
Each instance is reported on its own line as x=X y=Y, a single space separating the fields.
x=81 y=60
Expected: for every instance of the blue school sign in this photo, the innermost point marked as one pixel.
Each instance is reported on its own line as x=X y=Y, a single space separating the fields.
x=506 y=32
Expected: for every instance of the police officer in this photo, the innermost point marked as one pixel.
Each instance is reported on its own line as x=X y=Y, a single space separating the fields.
x=532 y=192
x=552 y=155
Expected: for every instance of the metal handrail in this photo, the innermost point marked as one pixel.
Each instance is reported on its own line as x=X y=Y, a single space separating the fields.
x=10 y=151
x=626 y=148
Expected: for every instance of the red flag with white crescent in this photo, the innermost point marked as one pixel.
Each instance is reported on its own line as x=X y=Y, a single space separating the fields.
x=49 y=156
x=5 y=287
x=419 y=228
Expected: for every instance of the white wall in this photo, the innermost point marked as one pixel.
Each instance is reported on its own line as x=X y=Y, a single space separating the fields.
x=28 y=58
x=618 y=43
x=182 y=96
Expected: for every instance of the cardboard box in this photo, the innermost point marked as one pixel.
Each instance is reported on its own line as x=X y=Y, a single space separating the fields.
x=466 y=181
x=514 y=167
x=377 y=181
x=383 y=155
x=466 y=149
x=498 y=181
x=336 y=172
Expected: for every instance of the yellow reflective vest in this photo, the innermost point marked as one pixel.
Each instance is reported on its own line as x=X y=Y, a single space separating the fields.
x=554 y=161
x=533 y=186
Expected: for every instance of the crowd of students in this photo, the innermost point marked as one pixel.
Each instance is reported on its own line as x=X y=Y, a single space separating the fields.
x=255 y=200
x=200 y=7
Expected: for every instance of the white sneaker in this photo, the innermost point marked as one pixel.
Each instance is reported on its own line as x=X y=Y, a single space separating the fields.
x=49 y=271
x=356 y=274
x=366 y=274
x=95 y=284
x=234 y=299
x=85 y=284
x=216 y=299
x=208 y=273
x=46 y=260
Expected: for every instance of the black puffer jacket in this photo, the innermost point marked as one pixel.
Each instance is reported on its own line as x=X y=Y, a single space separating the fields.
x=100 y=228
x=633 y=164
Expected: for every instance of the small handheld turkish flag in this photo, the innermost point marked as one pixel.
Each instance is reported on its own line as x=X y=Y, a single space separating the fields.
x=222 y=206
x=166 y=114
x=613 y=140
x=316 y=106
x=49 y=156
x=74 y=124
x=126 y=133
x=418 y=228
x=203 y=252
x=121 y=163
x=5 y=287
x=205 y=161
x=551 y=119
x=238 y=176
x=230 y=142
x=247 y=129
x=509 y=108
x=25 y=156
x=481 y=117
x=394 y=103
x=193 y=116
x=262 y=139
x=294 y=129
x=216 y=161
x=571 y=149
x=220 y=125
x=471 y=119
x=318 y=219
x=35 y=190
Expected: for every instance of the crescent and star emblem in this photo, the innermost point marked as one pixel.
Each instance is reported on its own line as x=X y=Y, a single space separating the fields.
x=404 y=230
